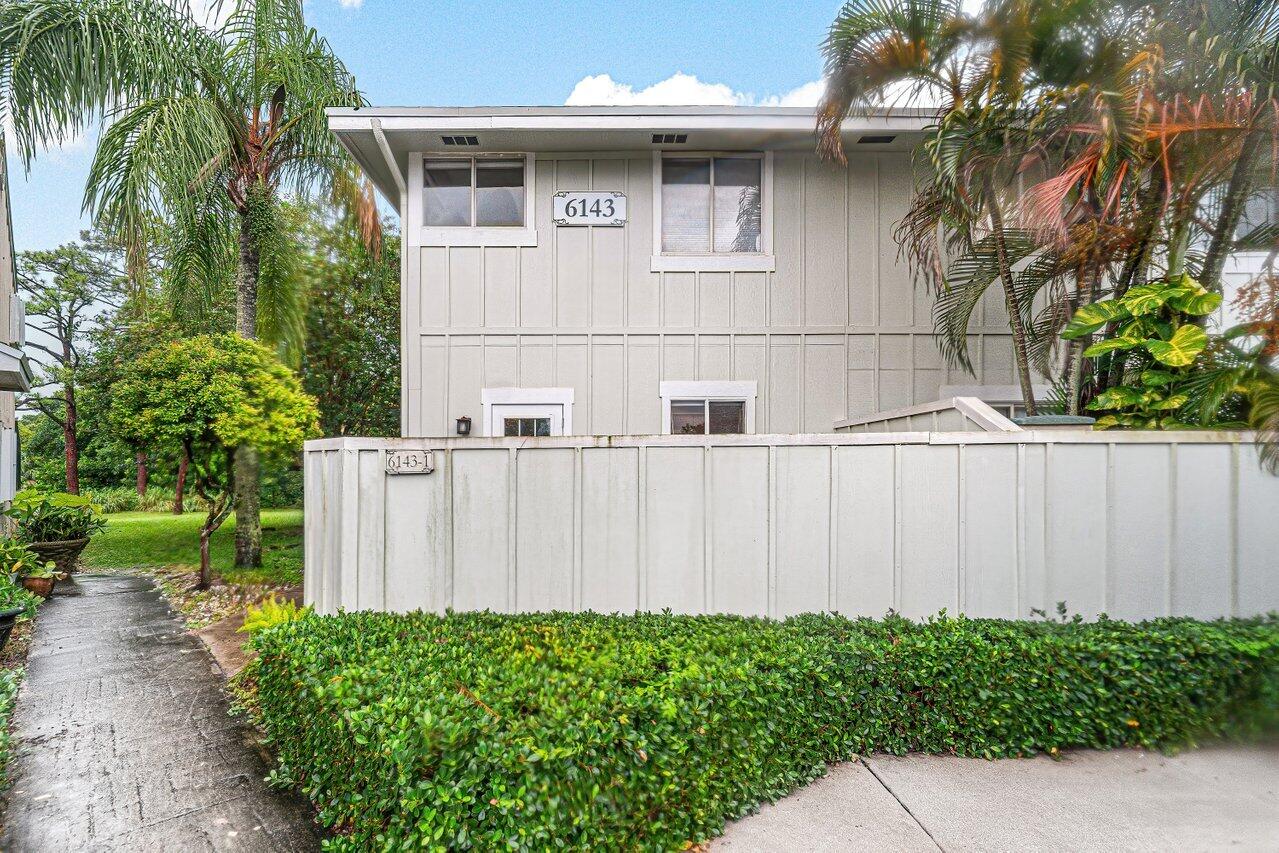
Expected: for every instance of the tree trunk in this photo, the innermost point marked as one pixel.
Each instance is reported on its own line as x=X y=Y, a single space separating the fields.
x=179 y=491
x=142 y=474
x=205 y=570
x=1085 y=289
x=69 y=440
x=248 y=520
x=1232 y=205
x=1010 y=301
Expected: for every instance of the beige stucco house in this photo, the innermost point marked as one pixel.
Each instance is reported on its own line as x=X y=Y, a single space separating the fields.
x=621 y=270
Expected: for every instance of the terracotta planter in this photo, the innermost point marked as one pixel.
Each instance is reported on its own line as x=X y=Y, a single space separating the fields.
x=42 y=587
x=63 y=554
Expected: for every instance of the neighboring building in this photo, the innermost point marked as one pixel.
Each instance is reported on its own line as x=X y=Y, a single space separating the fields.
x=735 y=281
x=15 y=372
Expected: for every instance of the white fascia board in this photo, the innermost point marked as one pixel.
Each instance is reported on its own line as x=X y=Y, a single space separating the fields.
x=795 y=123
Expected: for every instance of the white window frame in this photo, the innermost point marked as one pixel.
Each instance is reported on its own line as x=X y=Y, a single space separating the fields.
x=470 y=235
x=712 y=390
x=490 y=397
x=762 y=261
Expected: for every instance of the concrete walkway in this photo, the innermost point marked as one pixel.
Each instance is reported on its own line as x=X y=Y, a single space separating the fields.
x=124 y=742
x=1209 y=799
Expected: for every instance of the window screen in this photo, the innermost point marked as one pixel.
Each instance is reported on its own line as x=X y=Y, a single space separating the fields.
x=480 y=191
x=711 y=204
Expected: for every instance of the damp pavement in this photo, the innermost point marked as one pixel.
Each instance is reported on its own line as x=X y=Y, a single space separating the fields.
x=123 y=741
x=1215 y=798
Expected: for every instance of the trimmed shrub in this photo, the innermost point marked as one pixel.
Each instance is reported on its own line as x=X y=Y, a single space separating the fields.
x=648 y=731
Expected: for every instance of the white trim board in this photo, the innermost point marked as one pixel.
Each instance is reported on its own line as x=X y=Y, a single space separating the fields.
x=490 y=397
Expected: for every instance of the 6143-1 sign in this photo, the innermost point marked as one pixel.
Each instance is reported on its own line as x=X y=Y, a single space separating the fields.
x=590 y=208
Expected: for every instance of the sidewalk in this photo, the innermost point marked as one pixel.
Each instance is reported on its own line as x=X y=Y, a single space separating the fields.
x=1209 y=799
x=123 y=738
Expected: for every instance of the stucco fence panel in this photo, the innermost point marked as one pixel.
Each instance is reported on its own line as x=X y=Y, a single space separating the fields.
x=987 y=524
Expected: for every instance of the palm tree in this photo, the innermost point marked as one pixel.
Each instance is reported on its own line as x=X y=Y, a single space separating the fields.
x=932 y=48
x=202 y=129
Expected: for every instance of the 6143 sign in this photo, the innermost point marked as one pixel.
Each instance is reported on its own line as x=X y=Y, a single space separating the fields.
x=590 y=208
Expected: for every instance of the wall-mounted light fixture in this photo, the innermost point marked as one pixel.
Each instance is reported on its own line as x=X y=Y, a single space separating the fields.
x=464 y=425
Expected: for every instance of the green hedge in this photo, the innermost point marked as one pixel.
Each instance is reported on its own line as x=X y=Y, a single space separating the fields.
x=643 y=732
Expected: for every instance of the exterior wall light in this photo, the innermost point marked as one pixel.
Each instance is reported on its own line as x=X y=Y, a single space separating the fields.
x=463 y=425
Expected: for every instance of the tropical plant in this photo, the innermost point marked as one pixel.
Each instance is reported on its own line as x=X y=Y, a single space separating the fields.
x=1157 y=344
x=206 y=130
x=269 y=612
x=17 y=559
x=53 y=516
x=13 y=595
x=209 y=396
x=1134 y=128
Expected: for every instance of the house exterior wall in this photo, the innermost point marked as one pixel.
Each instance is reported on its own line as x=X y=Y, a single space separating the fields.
x=837 y=330
x=987 y=524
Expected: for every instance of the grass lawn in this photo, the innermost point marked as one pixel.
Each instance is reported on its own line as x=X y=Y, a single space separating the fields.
x=160 y=539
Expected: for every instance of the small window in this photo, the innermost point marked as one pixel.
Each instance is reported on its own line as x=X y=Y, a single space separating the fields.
x=708 y=417
x=474 y=191
x=708 y=407
x=712 y=205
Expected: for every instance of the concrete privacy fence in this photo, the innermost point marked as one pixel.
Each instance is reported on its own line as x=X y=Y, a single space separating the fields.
x=989 y=524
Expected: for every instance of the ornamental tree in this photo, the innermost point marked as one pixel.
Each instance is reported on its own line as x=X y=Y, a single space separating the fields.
x=207 y=397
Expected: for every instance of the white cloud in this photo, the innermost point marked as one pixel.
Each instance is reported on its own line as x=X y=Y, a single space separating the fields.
x=351 y=4
x=682 y=89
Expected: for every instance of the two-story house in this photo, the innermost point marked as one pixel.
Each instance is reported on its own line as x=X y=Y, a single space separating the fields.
x=638 y=270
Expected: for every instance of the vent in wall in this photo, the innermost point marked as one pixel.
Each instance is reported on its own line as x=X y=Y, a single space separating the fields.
x=875 y=140
x=461 y=140
x=670 y=138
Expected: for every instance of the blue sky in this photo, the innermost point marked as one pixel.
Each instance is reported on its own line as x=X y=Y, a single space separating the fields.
x=413 y=52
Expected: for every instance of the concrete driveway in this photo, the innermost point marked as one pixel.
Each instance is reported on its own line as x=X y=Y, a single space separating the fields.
x=1209 y=799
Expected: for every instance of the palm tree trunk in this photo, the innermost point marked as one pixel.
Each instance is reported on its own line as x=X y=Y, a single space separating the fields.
x=1010 y=300
x=248 y=518
x=1223 y=235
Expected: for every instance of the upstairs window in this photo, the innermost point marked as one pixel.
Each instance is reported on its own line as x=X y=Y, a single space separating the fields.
x=712 y=204
x=482 y=192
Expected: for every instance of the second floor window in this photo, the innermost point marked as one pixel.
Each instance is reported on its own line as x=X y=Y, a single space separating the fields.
x=474 y=191
x=712 y=205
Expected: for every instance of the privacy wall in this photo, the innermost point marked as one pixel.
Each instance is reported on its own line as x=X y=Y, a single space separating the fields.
x=1134 y=525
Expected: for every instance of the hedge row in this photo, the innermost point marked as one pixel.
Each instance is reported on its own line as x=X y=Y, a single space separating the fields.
x=647 y=731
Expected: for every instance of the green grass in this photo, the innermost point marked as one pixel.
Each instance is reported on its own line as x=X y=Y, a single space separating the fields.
x=160 y=539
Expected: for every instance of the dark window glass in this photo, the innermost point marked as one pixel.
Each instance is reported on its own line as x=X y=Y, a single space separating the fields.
x=727 y=417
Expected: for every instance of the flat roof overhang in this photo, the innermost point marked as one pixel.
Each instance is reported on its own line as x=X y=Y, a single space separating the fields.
x=15 y=369
x=381 y=138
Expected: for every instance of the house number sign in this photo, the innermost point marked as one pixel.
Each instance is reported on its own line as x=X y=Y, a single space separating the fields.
x=590 y=208
x=409 y=462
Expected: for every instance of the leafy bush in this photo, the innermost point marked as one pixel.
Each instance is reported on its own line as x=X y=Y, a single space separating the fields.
x=17 y=559
x=648 y=731
x=13 y=594
x=10 y=681
x=270 y=612
x=127 y=499
x=53 y=516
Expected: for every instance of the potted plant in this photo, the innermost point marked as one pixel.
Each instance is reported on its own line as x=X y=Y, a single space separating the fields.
x=55 y=525
x=20 y=564
x=15 y=601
